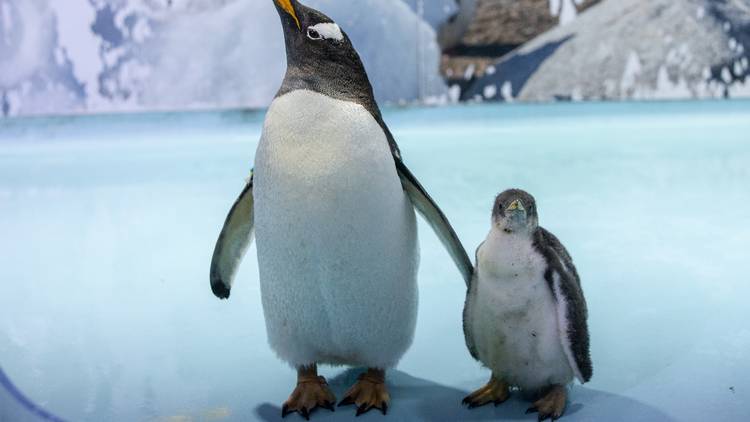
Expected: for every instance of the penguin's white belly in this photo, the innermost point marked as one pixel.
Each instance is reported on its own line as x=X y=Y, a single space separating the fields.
x=336 y=235
x=513 y=315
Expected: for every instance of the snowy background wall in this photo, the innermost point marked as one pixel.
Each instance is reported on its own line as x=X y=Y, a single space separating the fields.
x=77 y=56
x=103 y=55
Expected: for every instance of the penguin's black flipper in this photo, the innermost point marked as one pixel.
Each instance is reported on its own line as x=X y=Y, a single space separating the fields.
x=565 y=284
x=234 y=239
x=437 y=220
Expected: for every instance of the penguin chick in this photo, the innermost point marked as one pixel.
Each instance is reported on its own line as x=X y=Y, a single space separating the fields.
x=525 y=313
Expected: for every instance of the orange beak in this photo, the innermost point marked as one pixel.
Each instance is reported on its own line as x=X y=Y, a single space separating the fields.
x=287 y=6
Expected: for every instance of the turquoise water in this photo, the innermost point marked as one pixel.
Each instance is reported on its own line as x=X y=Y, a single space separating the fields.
x=107 y=225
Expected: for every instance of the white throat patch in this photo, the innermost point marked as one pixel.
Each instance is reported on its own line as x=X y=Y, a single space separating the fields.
x=329 y=31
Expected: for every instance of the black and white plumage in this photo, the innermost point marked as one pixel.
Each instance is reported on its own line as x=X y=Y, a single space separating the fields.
x=562 y=278
x=332 y=205
x=525 y=315
x=234 y=239
x=330 y=67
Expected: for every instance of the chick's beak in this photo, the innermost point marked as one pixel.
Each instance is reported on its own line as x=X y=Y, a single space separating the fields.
x=516 y=205
x=288 y=7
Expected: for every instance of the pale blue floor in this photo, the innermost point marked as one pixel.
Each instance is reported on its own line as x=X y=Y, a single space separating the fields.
x=107 y=225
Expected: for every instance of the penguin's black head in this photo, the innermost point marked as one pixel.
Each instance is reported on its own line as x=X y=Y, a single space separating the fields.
x=320 y=56
x=515 y=211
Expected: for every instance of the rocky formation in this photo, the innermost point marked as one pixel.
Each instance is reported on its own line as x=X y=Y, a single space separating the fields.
x=484 y=30
x=631 y=49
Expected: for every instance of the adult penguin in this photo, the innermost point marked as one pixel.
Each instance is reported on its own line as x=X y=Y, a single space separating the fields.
x=332 y=205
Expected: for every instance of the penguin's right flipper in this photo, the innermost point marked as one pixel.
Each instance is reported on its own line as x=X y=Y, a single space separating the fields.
x=470 y=298
x=437 y=220
x=234 y=239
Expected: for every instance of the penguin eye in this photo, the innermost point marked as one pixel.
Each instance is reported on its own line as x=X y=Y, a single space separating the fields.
x=313 y=34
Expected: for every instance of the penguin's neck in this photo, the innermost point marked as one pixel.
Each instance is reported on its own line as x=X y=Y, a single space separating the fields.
x=504 y=236
x=354 y=88
x=332 y=81
x=506 y=255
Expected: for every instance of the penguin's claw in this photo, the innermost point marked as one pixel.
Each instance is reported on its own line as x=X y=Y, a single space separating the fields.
x=309 y=395
x=361 y=409
x=552 y=405
x=495 y=391
x=346 y=401
x=368 y=393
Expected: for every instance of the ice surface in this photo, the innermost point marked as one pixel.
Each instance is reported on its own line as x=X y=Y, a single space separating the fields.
x=107 y=226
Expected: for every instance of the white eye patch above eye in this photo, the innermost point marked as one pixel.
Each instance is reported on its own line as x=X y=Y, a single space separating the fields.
x=329 y=31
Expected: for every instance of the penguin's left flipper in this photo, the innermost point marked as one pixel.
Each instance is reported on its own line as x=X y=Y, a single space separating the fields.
x=233 y=241
x=437 y=220
x=565 y=285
